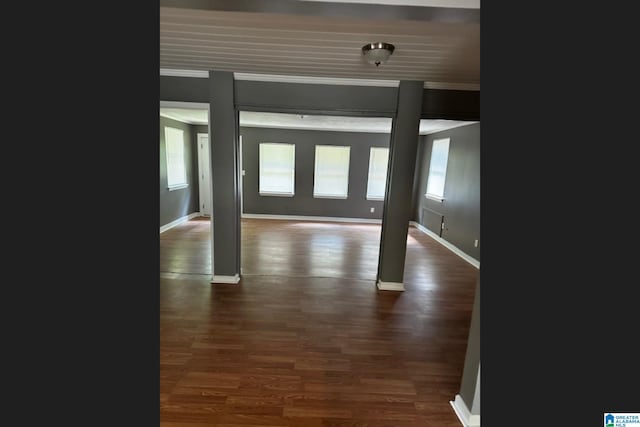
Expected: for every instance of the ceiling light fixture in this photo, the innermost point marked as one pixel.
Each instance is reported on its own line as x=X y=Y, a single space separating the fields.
x=377 y=53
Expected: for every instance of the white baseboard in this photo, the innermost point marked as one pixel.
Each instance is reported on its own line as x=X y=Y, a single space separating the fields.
x=390 y=286
x=446 y=244
x=312 y=218
x=463 y=413
x=179 y=221
x=226 y=279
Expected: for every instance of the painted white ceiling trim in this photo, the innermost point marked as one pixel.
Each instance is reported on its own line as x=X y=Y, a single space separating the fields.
x=182 y=104
x=456 y=125
x=194 y=116
x=315 y=80
x=346 y=129
x=463 y=4
x=180 y=119
x=323 y=129
x=191 y=111
x=184 y=73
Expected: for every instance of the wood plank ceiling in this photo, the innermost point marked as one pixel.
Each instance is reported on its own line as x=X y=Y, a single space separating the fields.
x=443 y=54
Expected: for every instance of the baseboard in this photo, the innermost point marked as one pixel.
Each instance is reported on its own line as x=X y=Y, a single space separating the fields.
x=446 y=244
x=463 y=413
x=390 y=286
x=179 y=221
x=313 y=218
x=226 y=279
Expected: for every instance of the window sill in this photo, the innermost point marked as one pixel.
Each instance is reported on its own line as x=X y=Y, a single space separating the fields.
x=436 y=198
x=277 y=194
x=316 y=196
x=377 y=199
x=177 y=187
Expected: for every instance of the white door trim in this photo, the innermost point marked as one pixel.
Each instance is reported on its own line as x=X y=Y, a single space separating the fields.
x=200 y=137
x=241 y=175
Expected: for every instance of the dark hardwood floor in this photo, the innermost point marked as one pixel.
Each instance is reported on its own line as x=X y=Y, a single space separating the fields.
x=305 y=339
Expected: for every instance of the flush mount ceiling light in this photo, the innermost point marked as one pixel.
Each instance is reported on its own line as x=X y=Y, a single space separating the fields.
x=377 y=53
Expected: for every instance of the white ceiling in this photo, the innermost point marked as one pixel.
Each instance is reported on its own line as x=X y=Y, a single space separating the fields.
x=434 y=47
x=309 y=122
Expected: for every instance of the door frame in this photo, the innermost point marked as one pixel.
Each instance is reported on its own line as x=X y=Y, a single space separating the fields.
x=199 y=137
x=241 y=167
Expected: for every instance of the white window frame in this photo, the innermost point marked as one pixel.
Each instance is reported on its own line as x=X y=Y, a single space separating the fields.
x=438 y=144
x=293 y=171
x=183 y=183
x=371 y=151
x=316 y=195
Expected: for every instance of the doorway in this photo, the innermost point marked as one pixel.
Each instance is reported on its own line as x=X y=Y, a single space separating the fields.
x=312 y=194
x=187 y=249
x=204 y=174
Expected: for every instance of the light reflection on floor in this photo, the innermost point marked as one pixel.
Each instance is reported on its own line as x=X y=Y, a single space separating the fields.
x=309 y=249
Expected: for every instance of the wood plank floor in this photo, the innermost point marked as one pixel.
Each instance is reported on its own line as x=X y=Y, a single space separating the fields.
x=306 y=339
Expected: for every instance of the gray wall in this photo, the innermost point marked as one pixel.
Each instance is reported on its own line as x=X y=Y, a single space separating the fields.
x=184 y=89
x=199 y=129
x=298 y=98
x=303 y=203
x=178 y=203
x=461 y=207
x=328 y=99
x=195 y=130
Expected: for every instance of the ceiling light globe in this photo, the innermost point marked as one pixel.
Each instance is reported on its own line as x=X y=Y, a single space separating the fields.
x=377 y=53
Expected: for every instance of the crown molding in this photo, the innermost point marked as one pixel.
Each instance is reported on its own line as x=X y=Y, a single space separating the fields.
x=184 y=73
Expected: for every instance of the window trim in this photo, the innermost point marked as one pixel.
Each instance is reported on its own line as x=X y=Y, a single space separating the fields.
x=177 y=187
x=376 y=198
x=438 y=197
x=315 y=168
x=181 y=185
x=434 y=197
x=293 y=171
x=274 y=194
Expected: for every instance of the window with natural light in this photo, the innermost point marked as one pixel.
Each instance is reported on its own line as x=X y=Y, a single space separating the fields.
x=277 y=169
x=438 y=169
x=377 y=180
x=331 y=175
x=174 y=148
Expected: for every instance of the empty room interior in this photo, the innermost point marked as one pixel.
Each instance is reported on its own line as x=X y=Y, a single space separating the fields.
x=319 y=213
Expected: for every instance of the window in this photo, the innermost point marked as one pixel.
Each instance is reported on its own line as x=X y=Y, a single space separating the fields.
x=277 y=169
x=174 y=147
x=331 y=177
x=438 y=169
x=377 y=180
